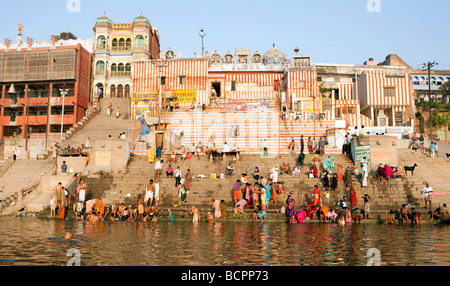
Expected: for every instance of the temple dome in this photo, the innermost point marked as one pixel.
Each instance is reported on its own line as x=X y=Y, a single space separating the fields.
x=141 y=19
x=274 y=55
x=104 y=19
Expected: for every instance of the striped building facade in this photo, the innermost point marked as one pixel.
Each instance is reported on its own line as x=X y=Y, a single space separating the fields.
x=173 y=78
x=391 y=95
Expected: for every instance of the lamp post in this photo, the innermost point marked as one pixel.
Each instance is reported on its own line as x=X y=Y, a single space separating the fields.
x=63 y=92
x=428 y=66
x=202 y=35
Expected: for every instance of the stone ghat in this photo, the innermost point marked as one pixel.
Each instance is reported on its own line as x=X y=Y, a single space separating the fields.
x=378 y=215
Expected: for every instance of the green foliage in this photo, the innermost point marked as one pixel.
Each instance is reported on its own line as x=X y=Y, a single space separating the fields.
x=441 y=119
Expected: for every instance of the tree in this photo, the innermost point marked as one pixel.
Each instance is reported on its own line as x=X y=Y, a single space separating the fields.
x=445 y=91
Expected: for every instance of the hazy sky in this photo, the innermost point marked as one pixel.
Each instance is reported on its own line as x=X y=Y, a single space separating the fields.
x=331 y=31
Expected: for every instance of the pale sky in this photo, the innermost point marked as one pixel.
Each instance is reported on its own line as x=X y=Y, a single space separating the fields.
x=330 y=31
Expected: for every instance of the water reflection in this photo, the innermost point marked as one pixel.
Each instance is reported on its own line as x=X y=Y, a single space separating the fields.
x=219 y=243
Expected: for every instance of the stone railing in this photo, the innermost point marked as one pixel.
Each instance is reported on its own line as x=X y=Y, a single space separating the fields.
x=4 y=167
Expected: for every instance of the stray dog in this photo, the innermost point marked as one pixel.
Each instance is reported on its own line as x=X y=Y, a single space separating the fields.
x=410 y=169
x=448 y=155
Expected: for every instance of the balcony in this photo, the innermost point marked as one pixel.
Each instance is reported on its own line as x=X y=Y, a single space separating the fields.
x=121 y=74
x=101 y=73
x=121 y=49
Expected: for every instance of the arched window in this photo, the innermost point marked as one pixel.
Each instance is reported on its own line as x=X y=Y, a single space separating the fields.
x=121 y=44
x=139 y=42
x=113 y=90
x=127 y=90
x=113 y=70
x=128 y=69
x=120 y=69
x=120 y=90
x=115 y=44
x=128 y=44
x=100 y=68
x=101 y=43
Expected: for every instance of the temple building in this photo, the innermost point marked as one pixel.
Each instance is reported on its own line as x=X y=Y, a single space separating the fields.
x=299 y=97
x=116 y=46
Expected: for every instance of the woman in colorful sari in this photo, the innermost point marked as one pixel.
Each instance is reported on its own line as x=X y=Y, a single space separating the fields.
x=263 y=198
x=267 y=191
x=317 y=196
x=348 y=216
x=273 y=193
x=158 y=152
x=301 y=216
x=340 y=176
x=151 y=155
x=353 y=197
x=248 y=194
x=255 y=195
x=290 y=207
x=387 y=172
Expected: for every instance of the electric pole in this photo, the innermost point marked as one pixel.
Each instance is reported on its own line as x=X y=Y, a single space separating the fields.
x=429 y=66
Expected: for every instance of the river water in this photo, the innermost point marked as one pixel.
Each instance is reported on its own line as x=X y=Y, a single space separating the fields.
x=31 y=241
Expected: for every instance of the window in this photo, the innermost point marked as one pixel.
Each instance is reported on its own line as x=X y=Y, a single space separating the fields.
x=233 y=85
x=100 y=67
x=389 y=91
x=399 y=118
x=182 y=79
x=338 y=112
x=101 y=42
x=115 y=44
x=163 y=80
x=139 y=42
x=348 y=110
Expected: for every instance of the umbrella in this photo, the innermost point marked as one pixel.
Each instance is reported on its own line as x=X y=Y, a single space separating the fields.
x=316 y=159
x=439 y=194
x=89 y=205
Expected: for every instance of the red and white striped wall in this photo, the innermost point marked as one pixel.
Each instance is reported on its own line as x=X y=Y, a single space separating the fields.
x=253 y=85
x=346 y=91
x=146 y=77
x=300 y=83
x=376 y=81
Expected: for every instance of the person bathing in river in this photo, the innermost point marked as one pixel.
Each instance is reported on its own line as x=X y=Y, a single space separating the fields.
x=390 y=219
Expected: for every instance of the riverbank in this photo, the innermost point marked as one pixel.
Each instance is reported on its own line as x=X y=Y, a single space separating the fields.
x=378 y=216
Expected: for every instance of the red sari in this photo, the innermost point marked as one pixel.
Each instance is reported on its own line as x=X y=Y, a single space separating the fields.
x=353 y=198
x=317 y=196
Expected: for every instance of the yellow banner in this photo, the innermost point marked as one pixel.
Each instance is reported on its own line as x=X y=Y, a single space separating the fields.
x=145 y=96
x=184 y=96
x=181 y=96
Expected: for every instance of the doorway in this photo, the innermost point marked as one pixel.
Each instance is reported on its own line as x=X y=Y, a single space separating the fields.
x=216 y=88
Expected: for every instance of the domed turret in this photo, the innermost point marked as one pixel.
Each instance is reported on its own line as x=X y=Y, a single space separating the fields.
x=104 y=19
x=141 y=19
x=274 y=56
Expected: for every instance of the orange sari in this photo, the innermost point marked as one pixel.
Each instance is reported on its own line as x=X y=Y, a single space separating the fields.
x=340 y=177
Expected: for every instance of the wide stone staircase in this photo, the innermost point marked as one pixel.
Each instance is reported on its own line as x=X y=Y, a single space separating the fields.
x=101 y=126
x=254 y=126
x=435 y=171
x=204 y=188
x=20 y=174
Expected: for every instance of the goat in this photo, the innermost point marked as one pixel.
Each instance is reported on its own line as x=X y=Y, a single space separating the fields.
x=410 y=169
